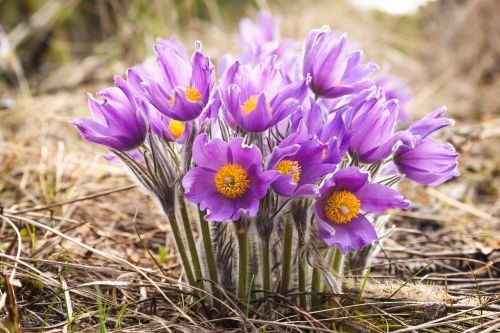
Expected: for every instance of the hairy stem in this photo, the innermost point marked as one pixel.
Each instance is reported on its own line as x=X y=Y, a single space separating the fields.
x=302 y=270
x=209 y=250
x=287 y=255
x=266 y=265
x=179 y=242
x=242 y=261
x=188 y=229
x=337 y=260
x=315 y=288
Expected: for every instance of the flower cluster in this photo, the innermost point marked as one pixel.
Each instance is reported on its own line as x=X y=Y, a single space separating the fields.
x=289 y=121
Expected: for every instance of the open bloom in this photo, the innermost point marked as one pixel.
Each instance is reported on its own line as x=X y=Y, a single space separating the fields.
x=429 y=162
x=256 y=99
x=372 y=125
x=228 y=179
x=179 y=89
x=339 y=208
x=117 y=121
x=300 y=166
x=336 y=71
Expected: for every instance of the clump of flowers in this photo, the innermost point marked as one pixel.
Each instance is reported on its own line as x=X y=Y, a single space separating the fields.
x=288 y=157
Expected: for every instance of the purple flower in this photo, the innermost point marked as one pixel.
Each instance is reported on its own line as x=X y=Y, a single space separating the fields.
x=175 y=45
x=117 y=121
x=312 y=122
x=372 y=124
x=167 y=128
x=395 y=89
x=256 y=99
x=341 y=200
x=429 y=162
x=336 y=71
x=180 y=90
x=228 y=179
x=300 y=166
x=254 y=37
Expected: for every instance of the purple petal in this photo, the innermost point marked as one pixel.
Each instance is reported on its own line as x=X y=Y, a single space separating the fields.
x=377 y=198
x=353 y=235
x=246 y=156
x=212 y=155
x=349 y=179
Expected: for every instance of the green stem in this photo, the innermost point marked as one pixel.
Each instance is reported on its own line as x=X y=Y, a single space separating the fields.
x=266 y=265
x=315 y=288
x=337 y=260
x=179 y=242
x=242 y=261
x=209 y=250
x=188 y=229
x=287 y=255
x=302 y=269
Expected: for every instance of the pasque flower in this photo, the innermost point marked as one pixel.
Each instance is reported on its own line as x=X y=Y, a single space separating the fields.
x=394 y=88
x=257 y=98
x=339 y=208
x=117 y=121
x=429 y=162
x=372 y=125
x=179 y=89
x=228 y=179
x=335 y=69
x=300 y=165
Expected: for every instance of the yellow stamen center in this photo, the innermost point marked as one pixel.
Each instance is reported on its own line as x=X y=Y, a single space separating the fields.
x=193 y=94
x=176 y=128
x=251 y=103
x=342 y=207
x=231 y=181
x=287 y=167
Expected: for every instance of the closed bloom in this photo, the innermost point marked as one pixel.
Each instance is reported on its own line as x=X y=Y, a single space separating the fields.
x=257 y=98
x=167 y=128
x=339 y=208
x=372 y=125
x=228 y=179
x=117 y=121
x=336 y=71
x=180 y=89
x=300 y=166
x=429 y=162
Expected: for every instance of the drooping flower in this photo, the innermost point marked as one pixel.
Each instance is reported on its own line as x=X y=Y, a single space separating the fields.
x=117 y=121
x=342 y=200
x=372 y=125
x=228 y=179
x=179 y=89
x=394 y=88
x=429 y=162
x=256 y=99
x=335 y=69
x=300 y=166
